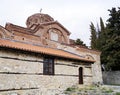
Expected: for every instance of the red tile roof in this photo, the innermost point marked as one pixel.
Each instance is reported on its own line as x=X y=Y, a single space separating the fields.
x=39 y=49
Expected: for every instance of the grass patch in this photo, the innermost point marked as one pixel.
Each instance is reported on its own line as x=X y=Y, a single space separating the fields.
x=109 y=91
x=70 y=89
x=89 y=89
x=118 y=93
x=106 y=90
x=114 y=84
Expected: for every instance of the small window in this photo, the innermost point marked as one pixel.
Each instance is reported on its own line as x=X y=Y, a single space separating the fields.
x=48 y=67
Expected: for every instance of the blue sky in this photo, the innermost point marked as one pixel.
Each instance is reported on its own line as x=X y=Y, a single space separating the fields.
x=75 y=15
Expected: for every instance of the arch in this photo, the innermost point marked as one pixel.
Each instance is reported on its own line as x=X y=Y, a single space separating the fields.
x=60 y=34
x=80 y=75
x=89 y=57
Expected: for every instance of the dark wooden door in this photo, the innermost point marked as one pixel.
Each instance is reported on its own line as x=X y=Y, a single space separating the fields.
x=80 y=75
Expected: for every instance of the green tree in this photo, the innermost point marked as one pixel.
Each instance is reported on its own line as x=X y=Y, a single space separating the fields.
x=79 y=42
x=112 y=47
x=93 y=36
x=101 y=35
x=108 y=40
x=98 y=35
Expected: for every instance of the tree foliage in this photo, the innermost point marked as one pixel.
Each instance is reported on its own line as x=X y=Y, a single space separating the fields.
x=79 y=42
x=108 y=40
x=93 y=36
x=112 y=47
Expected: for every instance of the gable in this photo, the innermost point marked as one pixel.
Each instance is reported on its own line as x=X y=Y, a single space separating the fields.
x=57 y=25
x=53 y=31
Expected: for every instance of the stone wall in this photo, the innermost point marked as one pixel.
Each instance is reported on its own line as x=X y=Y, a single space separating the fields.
x=21 y=73
x=84 y=52
x=111 y=77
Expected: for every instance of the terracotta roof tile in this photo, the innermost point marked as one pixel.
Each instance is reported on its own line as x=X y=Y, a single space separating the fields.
x=40 y=49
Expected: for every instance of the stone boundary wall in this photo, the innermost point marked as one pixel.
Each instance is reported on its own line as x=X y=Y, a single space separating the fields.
x=111 y=77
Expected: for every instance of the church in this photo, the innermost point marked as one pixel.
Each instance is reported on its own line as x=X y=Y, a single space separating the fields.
x=41 y=57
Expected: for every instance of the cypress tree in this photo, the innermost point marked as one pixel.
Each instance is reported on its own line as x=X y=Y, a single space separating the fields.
x=93 y=36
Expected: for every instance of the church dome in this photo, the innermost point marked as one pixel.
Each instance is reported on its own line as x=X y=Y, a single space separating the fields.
x=38 y=18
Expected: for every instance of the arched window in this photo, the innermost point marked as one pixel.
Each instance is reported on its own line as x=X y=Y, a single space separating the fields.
x=80 y=75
